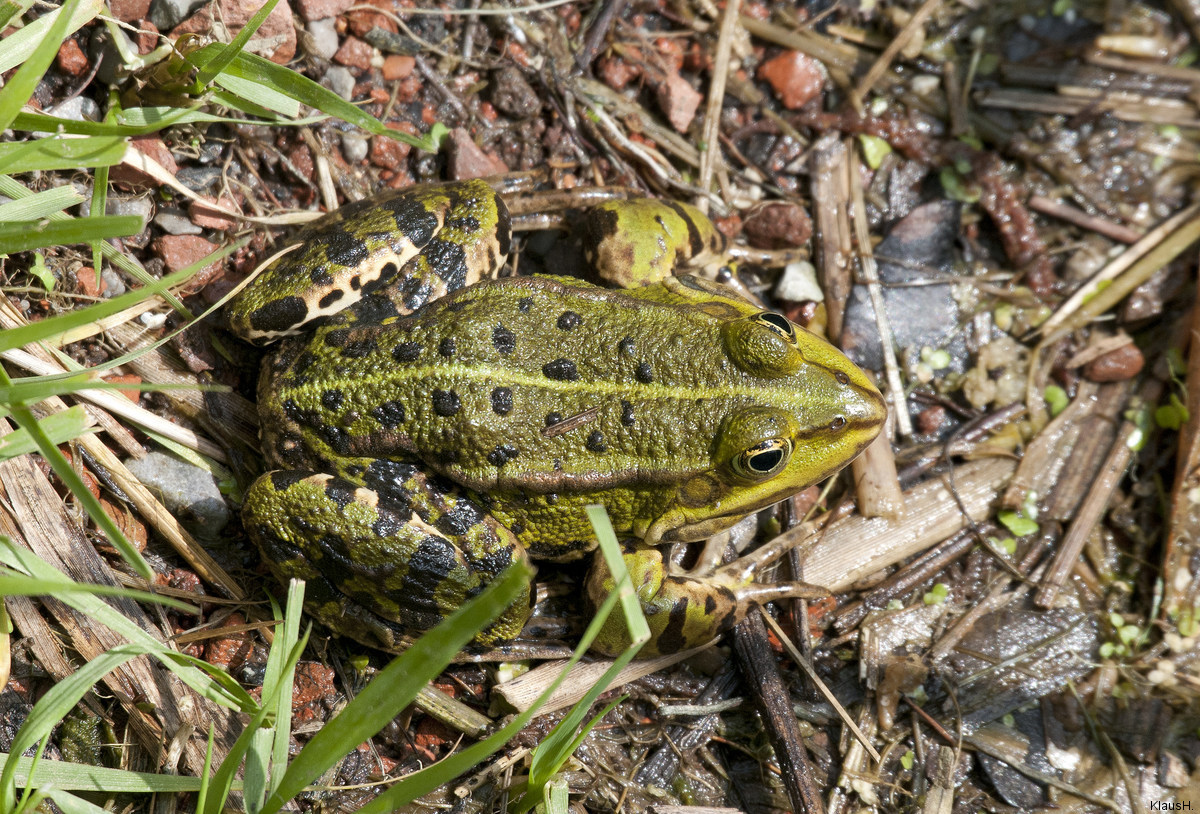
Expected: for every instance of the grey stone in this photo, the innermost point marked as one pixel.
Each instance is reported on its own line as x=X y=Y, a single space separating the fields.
x=166 y=14
x=175 y=222
x=189 y=492
x=78 y=109
x=354 y=147
x=339 y=80
x=324 y=37
x=114 y=285
x=917 y=266
x=139 y=205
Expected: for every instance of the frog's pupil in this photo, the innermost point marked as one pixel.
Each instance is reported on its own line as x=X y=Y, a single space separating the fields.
x=837 y=423
x=766 y=461
x=777 y=321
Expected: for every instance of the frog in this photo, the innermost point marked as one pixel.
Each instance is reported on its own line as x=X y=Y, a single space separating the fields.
x=428 y=423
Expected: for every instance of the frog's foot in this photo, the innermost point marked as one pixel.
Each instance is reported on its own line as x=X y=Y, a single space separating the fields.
x=688 y=609
x=380 y=566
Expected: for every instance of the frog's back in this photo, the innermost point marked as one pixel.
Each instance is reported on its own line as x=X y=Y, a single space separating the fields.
x=530 y=382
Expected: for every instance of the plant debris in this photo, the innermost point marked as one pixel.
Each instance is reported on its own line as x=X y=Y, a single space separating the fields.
x=991 y=207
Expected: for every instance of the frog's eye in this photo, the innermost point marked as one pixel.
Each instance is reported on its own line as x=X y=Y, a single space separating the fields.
x=837 y=423
x=763 y=460
x=777 y=323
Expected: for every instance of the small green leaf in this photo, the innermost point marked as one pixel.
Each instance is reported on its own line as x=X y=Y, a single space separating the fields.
x=937 y=594
x=1008 y=545
x=935 y=358
x=956 y=186
x=1173 y=415
x=908 y=759
x=874 y=149
x=39 y=269
x=1016 y=523
x=1056 y=399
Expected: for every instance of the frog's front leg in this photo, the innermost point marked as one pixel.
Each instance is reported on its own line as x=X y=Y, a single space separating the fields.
x=687 y=610
x=382 y=565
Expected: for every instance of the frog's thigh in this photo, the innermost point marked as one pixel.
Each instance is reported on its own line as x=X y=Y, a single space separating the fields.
x=682 y=611
x=377 y=570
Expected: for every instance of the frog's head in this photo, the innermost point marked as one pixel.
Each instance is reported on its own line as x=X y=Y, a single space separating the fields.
x=815 y=411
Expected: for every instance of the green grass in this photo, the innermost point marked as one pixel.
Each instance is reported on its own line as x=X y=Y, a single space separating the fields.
x=202 y=85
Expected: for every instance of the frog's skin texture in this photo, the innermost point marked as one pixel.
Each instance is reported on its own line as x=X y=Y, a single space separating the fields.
x=643 y=241
x=376 y=259
x=418 y=455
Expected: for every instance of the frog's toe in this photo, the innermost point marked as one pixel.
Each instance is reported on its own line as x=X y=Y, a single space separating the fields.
x=683 y=610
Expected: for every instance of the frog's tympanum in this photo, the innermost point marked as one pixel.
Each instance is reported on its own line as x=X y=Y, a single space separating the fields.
x=428 y=426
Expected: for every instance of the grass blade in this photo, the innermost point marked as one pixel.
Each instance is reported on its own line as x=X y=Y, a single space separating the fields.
x=44 y=47
x=82 y=777
x=10 y=10
x=397 y=685
x=56 y=326
x=229 y=52
x=54 y=153
x=40 y=204
x=26 y=235
x=59 y=428
x=21 y=45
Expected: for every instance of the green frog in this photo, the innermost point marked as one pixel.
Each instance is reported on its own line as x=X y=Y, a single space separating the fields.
x=428 y=425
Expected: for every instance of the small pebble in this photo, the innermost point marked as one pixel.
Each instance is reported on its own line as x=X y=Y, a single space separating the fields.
x=324 y=37
x=189 y=492
x=778 y=225
x=930 y=420
x=139 y=205
x=339 y=80
x=127 y=11
x=198 y=179
x=71 y=58
x=114 y=286
x=678 y=101
x=354 y=53
x=798 y=283
x=796 y=78
x=166 y=14
x=314 y=10
x=79 y=109
x=397 y=67
x=354 y=148
x=175 y=222
x=1117 y=365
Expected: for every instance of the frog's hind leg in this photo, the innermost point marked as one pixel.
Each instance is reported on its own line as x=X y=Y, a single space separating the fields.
x=688 y=609
x=381 y=565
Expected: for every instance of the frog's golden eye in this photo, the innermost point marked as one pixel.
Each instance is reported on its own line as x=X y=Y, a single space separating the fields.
x=777 y=323
x=763 y=460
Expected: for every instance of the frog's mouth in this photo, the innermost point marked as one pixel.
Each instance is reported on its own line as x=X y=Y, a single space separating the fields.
x=664 y=529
